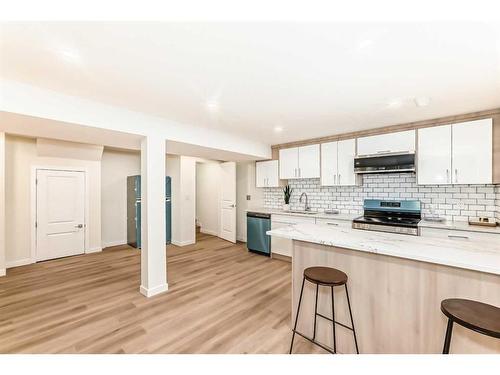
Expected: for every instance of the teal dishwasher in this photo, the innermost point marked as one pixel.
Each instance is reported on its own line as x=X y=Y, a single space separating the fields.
x=257 y=239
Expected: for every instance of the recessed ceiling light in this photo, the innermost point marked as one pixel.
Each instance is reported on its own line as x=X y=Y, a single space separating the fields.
x=212 y=105
x=365 y=44
x=278 y=129
x=422 y=101
x=70 y=55
x=395 y=103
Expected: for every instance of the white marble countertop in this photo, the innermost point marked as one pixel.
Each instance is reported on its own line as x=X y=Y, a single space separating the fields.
x=467 y=254
x=458 y=225
x=316 y=215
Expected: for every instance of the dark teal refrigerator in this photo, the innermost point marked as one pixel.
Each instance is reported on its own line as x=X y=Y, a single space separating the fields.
x=134 y=210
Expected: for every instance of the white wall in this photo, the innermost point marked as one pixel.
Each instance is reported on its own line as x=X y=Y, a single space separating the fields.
x=20 y=156
x=245 y=185
x=207 y=196
x=115 y=167
x=182 y=170
x=2 y=204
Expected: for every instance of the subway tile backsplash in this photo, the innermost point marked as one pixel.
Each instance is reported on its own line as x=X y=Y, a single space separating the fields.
x=455 y=202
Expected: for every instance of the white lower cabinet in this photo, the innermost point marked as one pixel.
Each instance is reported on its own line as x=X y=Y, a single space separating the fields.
x=460 y=235
x=335 y=223
x=284 y=246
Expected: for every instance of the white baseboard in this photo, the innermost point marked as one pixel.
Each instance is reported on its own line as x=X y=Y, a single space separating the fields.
x=113 y=243
x=182 y=243
x=2 y=272
x=208 y=231
x=18 y=263
x=93 y=250
x=153 y=291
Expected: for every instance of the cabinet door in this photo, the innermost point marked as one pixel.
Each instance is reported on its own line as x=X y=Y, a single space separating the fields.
x=387 y=143
x=472 y=152
x=272 y=173
x=434 y=155
x=329 y=169
x=289 y=163
x=346 y=154
x=309 y=166
x=260 y=174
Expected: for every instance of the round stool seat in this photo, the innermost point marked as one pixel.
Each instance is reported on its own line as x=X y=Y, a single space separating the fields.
x=477 y=316
x=325 y=276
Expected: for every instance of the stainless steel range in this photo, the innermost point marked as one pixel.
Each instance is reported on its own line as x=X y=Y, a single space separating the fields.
x=390 y=216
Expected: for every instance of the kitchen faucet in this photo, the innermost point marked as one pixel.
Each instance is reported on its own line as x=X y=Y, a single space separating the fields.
x=306 y=206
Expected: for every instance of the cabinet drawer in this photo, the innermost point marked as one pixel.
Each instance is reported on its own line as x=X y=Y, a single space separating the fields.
x=335 y=222
x=291 y=220
x=459 y=235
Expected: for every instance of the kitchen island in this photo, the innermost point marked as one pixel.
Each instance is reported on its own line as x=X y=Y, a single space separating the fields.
x=396 y=284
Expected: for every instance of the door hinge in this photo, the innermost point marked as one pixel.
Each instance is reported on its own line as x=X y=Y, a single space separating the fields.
x=36 y=181
x=36 y=224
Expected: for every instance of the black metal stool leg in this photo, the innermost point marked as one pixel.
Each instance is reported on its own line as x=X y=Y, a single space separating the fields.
x=447 y=338
x=315 y=312
x=297 y=315
x=352 y=321
x=333 y=324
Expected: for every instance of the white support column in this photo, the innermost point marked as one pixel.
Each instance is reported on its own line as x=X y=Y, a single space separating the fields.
x=2 y=204
x=153 y=231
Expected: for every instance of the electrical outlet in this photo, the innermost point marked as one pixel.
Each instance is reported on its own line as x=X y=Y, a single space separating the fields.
x=249 y=197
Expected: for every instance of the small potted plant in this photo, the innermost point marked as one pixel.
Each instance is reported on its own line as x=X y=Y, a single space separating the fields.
x=287 y=193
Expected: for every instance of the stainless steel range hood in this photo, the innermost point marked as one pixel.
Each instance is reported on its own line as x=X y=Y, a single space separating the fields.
x=385 y=163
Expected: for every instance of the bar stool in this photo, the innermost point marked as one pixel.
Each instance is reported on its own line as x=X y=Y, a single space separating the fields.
x=477 y=316
x=329 y=277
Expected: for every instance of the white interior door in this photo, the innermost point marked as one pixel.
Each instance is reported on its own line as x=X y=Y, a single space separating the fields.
x=228 y=202
x=60 y=214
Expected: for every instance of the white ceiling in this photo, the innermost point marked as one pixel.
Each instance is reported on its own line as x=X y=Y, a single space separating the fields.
x=311 y=79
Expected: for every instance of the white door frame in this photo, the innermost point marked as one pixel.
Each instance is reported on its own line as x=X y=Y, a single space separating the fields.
x=34 y=169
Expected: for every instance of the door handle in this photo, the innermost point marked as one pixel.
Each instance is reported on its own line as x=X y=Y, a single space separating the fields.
x=232 y=206
x=334 y=224
x=457 y=236
x=334 y=179
x=447 y=175
x=79 y=226
x=456 y=175
x=339 y=178
x=299 y=172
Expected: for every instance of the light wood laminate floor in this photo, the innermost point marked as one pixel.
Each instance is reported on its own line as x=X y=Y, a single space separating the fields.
x=221 y=299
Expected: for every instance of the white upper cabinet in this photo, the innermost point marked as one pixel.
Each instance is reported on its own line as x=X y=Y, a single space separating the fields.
x=289 y=163
x=309 y=161
x=337 y=163
x=266 y=173
x=387 y=143
x=434 y=155
x=299 y=162
x=329 y=163
x=472 y=152
x=456 y=154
